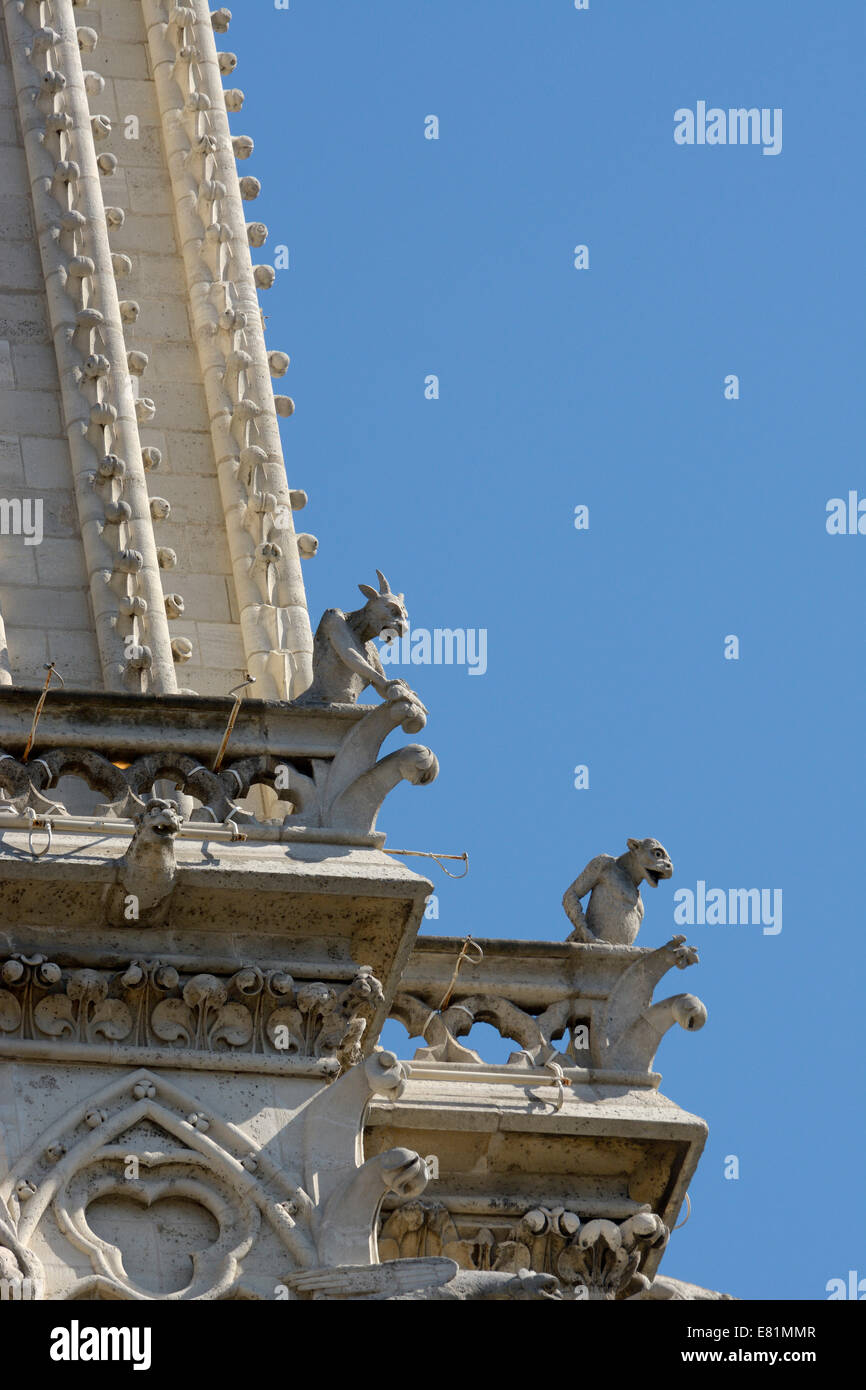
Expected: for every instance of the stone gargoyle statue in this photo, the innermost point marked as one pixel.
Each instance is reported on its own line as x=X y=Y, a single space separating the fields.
x=424 y=1280
x=615 y=908
x=145 y=876
x=345 y=661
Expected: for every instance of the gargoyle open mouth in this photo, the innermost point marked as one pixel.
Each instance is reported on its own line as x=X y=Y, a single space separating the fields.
x=165 y=828
x=654 y=877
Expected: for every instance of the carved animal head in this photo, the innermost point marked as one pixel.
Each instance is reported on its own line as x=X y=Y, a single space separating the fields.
x=404 y=1172
x=690 y=1012
x=529 y=1286
x=652 y=858
x=384 y=611
x=160 y=820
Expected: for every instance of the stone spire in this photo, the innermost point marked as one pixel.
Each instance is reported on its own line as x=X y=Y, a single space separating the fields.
x=147 y=534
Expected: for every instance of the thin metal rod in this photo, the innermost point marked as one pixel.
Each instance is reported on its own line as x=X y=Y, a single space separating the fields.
x=428 y=854
x=468 y=945
x=41 y=701
x=250 y=680
x=520 y=1078
x=72 y=825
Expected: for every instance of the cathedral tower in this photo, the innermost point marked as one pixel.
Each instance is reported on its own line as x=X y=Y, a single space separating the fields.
x=201 y=930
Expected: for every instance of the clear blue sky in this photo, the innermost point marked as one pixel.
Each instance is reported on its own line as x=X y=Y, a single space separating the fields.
x=410 y=257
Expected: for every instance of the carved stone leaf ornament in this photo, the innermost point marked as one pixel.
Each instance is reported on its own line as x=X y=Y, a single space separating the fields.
x=149 y=1002
x=203 y=1017
x=84 y=1011
x=596 y=1260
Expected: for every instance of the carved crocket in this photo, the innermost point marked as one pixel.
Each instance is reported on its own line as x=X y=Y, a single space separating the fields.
x=615 y=909
x=345 y=661
x=145 y=876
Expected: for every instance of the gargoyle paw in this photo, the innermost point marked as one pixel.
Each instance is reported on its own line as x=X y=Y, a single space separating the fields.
x=683 y=955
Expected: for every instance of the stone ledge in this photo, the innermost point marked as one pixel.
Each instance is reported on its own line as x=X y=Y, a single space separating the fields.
x=126 y=726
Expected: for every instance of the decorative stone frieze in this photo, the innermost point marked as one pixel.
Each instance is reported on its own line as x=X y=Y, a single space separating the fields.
x=153 y=1004
x=593 y=1259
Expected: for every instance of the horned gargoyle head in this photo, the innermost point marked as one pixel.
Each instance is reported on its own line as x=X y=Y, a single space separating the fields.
x=383 y=611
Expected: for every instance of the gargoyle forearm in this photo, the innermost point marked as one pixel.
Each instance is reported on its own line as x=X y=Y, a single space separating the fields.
x=575 y=914
x=360 y=665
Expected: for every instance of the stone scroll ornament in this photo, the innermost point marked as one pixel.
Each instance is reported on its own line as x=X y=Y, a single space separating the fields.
x=615 y=909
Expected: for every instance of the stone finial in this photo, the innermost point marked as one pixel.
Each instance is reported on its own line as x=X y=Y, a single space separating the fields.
x=284 y=406
x=264 y=276
x=80 y=267
x=51 y=83
x=95 y=366
x=234 y=99
x=278 y=362
x=181 y=650
x=257 y=233
x=139 y=657
x=67 y=171
x=220 y=19
x=133 y=606
x=58 y=122
x=307 y=545
x=227 y=63
x=103 y=413
x=110 y=466
x=615 y=909
x=45 y=39
x=117 y=512
x=250 y=188
x=243 y=146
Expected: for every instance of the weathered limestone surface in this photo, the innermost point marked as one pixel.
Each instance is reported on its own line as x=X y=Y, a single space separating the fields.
x=43 y=601
x=130 y=331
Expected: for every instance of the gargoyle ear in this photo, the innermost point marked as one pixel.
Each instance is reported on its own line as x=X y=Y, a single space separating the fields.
x=633 y=844
x=384 y=586
x=367 y=591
